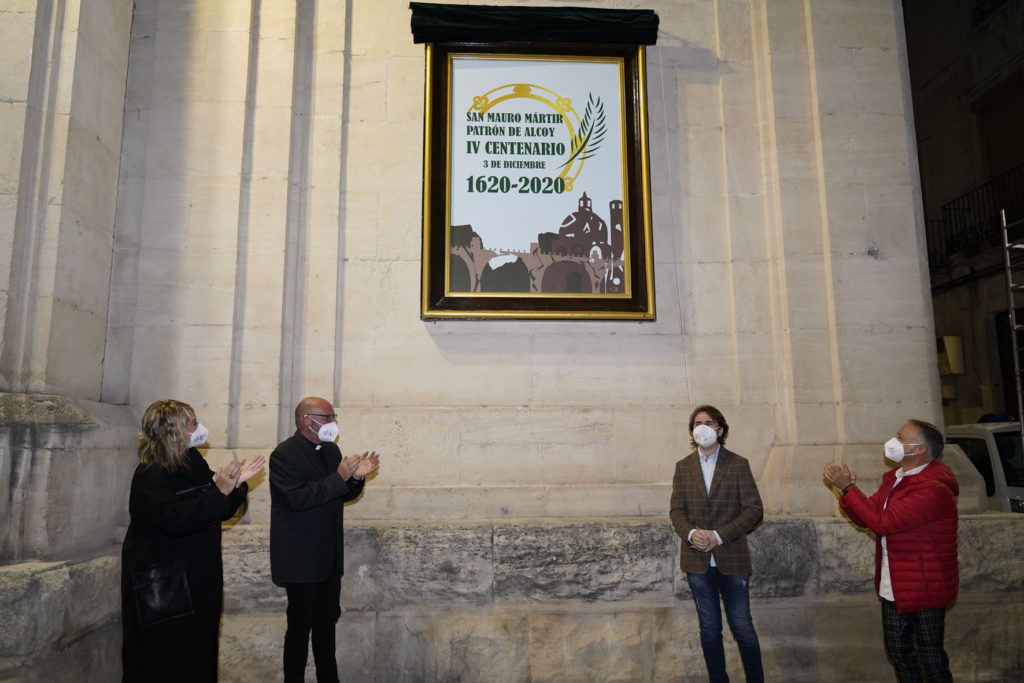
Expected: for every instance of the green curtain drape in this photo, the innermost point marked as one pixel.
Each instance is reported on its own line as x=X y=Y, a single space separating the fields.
x=432 y=23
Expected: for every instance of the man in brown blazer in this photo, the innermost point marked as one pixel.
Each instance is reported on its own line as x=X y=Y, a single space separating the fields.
x=715 y=504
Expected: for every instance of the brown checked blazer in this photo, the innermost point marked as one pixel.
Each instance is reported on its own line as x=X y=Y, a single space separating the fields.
x=733 y=509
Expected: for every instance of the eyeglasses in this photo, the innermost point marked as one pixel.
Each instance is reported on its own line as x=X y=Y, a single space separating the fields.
x=906 y=440
x=332 y=416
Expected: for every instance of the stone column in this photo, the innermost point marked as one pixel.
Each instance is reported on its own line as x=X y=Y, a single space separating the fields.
x=63 y=99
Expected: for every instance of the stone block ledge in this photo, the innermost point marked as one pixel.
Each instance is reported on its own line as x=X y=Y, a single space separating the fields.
x=596 y=561
x=65 y=470
x=834 y=639
x=540 y=599
x=49 y=605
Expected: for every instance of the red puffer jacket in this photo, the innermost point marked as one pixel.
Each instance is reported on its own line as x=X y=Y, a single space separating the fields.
x=919 y=524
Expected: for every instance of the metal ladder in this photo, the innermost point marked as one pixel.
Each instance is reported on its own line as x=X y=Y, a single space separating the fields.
x=1014 y=287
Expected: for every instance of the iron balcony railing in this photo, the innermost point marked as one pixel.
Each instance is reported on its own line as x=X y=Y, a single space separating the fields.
x=970 y=223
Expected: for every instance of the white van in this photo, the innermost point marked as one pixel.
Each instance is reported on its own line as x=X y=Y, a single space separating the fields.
x=995 y=449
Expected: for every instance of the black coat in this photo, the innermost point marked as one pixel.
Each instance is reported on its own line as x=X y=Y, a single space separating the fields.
x=307 y=497
x=176 y=516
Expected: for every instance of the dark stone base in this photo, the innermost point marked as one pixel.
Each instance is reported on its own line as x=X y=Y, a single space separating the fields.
x=596 y=600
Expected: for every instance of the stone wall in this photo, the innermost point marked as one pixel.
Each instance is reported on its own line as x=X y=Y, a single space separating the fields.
x=65 y=467
x=540 y=600
x=62 y=91
x=266 y=245
x=61 y=620
x=268 y=234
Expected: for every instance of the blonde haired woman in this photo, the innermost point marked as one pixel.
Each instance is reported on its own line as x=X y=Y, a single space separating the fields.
x=171 y=572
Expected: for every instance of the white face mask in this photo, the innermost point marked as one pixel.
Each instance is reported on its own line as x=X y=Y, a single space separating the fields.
x=327 y=432
x=894 y=449
x=198 y=437
x=704 y=435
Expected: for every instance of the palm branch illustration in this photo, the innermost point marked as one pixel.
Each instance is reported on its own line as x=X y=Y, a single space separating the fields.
x=588 y=137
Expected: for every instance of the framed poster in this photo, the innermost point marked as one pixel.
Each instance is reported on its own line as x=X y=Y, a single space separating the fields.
x=536 y=184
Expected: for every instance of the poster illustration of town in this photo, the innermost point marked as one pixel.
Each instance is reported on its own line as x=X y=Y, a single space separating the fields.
x=537 y=177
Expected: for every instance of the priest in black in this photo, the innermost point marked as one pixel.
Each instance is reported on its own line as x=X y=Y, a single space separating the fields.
x=310 y=482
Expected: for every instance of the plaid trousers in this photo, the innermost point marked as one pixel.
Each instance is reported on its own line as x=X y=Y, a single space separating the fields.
x=913 y=640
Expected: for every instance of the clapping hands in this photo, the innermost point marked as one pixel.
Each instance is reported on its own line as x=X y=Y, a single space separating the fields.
x=840 y=477
x=232 y=475
x=359 y=466
x=251 y=468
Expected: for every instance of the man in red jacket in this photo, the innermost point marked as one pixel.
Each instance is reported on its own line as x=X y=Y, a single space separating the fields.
x=914 y=517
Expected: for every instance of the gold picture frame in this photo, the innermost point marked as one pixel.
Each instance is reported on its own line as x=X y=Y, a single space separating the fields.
x=536 y=194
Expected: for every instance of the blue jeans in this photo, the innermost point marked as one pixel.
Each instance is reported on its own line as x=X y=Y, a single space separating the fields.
x=707 y=588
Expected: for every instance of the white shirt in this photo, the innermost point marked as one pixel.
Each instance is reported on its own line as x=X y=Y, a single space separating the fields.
x=884 y=580
x=707 y=466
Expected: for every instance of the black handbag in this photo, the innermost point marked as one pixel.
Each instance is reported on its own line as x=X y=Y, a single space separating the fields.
x=161 y=592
